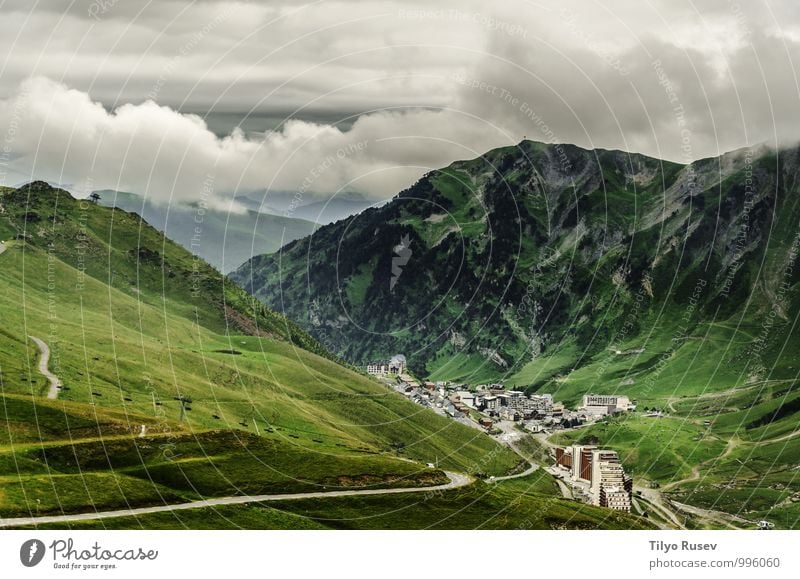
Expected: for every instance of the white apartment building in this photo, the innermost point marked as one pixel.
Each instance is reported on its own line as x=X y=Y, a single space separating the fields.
x=467 y=398
x=378 y=368
x=383 y=368
x=608 y=482
x=615 y=498
x=609 y=486
x=491 y=403
x=604 y=404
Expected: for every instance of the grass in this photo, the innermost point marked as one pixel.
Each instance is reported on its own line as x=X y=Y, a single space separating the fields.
x=155 y=355
x=518 y=504
x=358 y=285
x=229 y=517
x=661 y=450
x=462 y=367
x=545 y=367
x=476 y=507
x=125 y=471
x=135 y=321
x=754 y=481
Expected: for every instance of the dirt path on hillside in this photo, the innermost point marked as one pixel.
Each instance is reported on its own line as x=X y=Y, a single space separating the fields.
x=719 y=393
x=718 y=517
x=456 y=481
x=44 y=361
x=779 y=439
x=691 y=478
x=731 y=445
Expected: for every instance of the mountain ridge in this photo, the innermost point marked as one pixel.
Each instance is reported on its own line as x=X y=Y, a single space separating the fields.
x=550 y=205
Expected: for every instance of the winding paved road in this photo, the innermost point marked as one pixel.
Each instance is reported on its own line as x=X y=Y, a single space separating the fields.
x=658 y=502
x=44 y=361
x=456 y=481
x=531 y=469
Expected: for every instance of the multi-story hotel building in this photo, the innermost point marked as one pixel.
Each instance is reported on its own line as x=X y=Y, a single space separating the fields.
x=609 y=486
x=602 y=405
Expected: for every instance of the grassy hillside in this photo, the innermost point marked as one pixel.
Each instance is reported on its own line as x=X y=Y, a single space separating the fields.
x=134 y=321
x=225 y=239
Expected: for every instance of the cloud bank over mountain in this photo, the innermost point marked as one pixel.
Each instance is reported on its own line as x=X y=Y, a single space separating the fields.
x=367 y=97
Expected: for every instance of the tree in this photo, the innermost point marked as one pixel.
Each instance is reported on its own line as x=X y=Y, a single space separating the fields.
x=94 y=197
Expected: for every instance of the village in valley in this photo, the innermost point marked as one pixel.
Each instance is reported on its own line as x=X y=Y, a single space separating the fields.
x=587 y=473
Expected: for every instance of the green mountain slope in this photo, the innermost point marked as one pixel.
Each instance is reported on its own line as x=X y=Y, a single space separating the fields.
x=571 y=271
x=223 y=239
x=536 y=251
x=134 y=321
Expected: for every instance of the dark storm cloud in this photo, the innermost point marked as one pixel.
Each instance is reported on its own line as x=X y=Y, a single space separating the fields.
x=95 y=92
x=692 y=89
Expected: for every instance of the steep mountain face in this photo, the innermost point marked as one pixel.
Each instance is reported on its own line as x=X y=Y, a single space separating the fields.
x=224 y=239
x=541 y=252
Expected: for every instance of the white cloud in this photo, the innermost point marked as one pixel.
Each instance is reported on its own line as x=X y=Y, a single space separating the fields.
x=65 y=137
x=585 y=70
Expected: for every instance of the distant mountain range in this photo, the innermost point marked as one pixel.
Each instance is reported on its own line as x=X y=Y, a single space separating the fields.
x=228 y=239
x=321 y=212
x=225 y=239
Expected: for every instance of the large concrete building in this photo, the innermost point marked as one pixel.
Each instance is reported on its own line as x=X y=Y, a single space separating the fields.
x=602 y=404
x=393 y=366
x=577 y=459
x=491 y=403
x=515 y=400
x=609 y=486
x=378 y=368
x=519 y=401
x=564 y=458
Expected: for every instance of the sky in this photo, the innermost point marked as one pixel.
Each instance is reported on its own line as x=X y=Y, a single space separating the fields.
x=207 y=100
